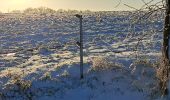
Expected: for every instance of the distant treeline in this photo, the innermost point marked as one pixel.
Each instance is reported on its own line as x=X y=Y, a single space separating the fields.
x=44 y=10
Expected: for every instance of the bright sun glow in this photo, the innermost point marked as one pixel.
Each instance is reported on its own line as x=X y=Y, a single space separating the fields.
x=16 y=2
x=6 y=5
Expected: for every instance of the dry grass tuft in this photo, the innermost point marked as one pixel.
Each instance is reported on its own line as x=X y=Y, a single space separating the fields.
x=19 y=83
x=103 y=63
x=163 y=76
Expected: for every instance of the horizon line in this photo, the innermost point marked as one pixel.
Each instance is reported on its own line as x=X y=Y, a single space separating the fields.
x=57 y=9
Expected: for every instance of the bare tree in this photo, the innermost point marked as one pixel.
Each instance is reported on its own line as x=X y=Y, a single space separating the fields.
x=147 y=10
x=164 y=66
x=165 y=49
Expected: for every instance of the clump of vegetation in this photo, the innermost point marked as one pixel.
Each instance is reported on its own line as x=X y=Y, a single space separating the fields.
x=103 y=63
x=18 y=86
x=65 y=73
x=22 y=85
x=46 y=76
x=162 y=74
x=40 y=10
x=143 y=63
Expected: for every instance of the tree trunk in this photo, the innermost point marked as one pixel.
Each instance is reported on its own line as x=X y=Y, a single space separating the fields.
x=166 y=33
x=165 y=52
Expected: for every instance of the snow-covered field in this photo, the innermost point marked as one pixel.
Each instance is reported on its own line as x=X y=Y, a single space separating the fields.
x=39 y=58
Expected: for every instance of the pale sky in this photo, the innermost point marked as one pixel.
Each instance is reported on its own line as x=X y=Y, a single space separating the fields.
x=95 y=5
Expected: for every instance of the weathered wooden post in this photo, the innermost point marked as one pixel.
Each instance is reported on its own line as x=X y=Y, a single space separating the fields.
x=81 y=45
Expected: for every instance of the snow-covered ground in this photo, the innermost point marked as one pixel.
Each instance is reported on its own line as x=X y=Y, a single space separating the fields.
x=39 y=59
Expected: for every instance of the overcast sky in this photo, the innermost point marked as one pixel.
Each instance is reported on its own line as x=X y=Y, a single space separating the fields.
x=95 y=5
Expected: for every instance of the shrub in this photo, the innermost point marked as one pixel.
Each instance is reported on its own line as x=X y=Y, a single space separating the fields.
x=163 y=74
x=103 y=63
x=17 y=87
x=22 y=85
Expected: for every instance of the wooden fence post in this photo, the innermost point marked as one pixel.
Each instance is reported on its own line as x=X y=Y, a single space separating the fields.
x=81 y=46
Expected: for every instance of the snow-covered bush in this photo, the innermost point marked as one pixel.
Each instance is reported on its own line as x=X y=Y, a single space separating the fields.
x=103 y=63
x=17 y=87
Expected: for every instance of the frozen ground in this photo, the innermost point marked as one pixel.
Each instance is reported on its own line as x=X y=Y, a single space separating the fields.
x=39 y=59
